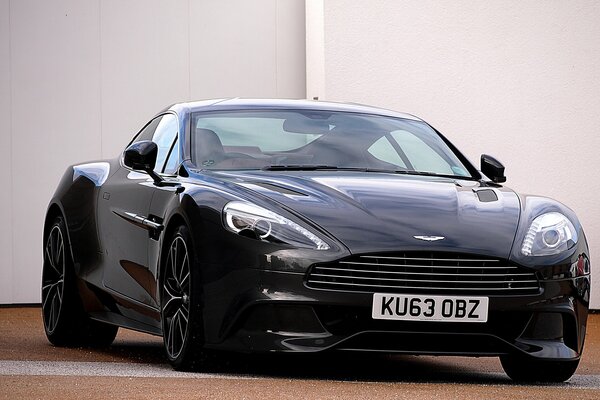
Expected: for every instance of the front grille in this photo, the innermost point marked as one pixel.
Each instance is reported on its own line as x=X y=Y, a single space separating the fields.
x=418 y=272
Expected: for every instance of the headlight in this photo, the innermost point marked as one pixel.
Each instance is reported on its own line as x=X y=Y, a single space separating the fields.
x=550 y=233
x=251 y=220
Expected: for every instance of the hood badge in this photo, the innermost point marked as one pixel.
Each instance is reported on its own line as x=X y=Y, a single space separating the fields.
x=430 y=238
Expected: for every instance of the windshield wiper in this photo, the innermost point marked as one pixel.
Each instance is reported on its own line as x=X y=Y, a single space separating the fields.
x=311 y=167
x=423 y=173
x=314 y=167
x=297 y=167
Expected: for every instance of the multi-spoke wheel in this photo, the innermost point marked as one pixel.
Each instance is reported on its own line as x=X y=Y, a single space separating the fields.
x=180 y=311
x=65 y=322
x=53 y=278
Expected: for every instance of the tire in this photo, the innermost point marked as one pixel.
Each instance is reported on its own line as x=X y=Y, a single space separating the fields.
x=181 y=312
x=528 y=369
x=65 y=322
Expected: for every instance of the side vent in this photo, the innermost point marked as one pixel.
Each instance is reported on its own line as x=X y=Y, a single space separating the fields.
x=487 y=196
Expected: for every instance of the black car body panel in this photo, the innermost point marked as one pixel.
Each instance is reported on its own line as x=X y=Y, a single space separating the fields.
x=257 y=295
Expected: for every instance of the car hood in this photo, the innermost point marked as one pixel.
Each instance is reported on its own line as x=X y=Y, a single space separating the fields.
x=380 y=212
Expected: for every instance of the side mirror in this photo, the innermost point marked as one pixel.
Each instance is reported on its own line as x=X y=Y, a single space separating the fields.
x=492 y=168
x=142 y=156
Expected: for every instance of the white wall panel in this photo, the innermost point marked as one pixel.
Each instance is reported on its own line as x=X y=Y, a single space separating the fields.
x=515 y=79
x=233 y=48
x=6 y=268
x=315 y=49
x=247 y=49
x=55 y=114
x=144 y=63
x=291 y=52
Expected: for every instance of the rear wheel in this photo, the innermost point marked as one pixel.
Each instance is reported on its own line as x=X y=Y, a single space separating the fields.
x=65 y=322
x=180 y=304
x=529 y=369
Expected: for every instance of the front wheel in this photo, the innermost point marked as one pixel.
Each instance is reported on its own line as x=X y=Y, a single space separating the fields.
x=529 y=369
x=180 y=303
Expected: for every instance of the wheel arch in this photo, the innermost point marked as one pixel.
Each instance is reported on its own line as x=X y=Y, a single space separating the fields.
x=176 y=220
x=54 y=211
x=187 y=214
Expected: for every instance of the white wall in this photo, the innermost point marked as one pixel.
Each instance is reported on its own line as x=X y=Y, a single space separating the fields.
x=6 y=281
x=516 y=79
x=78 y=78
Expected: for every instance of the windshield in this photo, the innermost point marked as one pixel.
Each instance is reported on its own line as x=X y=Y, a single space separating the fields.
x=313 y=139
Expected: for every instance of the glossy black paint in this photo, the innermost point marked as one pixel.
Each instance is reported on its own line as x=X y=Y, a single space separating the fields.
x=492 y=168
x=254 y=293
x=141 y=155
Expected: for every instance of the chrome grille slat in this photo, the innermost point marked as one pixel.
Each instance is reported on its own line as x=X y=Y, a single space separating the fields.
x=424 y=273
x=416 y=273
x=432 y=259
x=358 y=278
x=429 y=288
x=421 y=266
x=418 y=280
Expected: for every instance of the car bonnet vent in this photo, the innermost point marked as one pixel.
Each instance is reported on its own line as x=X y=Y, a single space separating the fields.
x=279 y=189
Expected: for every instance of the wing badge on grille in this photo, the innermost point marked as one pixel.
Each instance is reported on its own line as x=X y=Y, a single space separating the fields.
x=430 y=238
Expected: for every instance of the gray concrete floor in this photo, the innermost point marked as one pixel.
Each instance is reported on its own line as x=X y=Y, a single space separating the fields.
x=134 y=368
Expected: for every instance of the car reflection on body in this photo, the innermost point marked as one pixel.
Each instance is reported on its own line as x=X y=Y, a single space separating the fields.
x=299 y=226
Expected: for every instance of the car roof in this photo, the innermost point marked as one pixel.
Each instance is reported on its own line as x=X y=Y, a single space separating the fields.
x=281 y=104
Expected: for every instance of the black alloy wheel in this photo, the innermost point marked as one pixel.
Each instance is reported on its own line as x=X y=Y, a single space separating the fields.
x=180 y=310
x=53 y=278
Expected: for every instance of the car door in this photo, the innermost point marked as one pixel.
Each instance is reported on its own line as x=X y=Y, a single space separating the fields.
x=125 y=226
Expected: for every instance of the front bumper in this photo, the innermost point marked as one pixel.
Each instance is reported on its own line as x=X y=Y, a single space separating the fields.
x=255 y=310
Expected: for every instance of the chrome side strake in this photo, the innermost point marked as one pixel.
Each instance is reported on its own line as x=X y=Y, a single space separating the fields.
x=139 y=220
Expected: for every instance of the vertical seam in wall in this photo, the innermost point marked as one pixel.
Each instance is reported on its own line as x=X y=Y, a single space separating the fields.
x=100 y=77
x=10 y=146
x=189 y=15
x=277 y=49
x=305 y=96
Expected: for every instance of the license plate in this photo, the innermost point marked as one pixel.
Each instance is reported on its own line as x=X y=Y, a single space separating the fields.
x=430 y=308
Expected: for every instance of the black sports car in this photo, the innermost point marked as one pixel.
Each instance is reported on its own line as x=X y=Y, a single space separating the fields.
x=300 y=226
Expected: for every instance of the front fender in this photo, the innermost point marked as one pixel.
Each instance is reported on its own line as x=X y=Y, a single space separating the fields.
x=76 y=196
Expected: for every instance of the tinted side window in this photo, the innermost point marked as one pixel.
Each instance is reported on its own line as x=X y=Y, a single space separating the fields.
x=148 y=131
x=164 y=136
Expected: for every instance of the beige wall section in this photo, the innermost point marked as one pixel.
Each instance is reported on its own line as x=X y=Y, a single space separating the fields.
x=515 y=79
x=56 y=117
x=247 y=49
x=315 y=50
x=291 y=52
x=6 y=270
x=77 y=79
x=145 y=64
x=231 y=41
